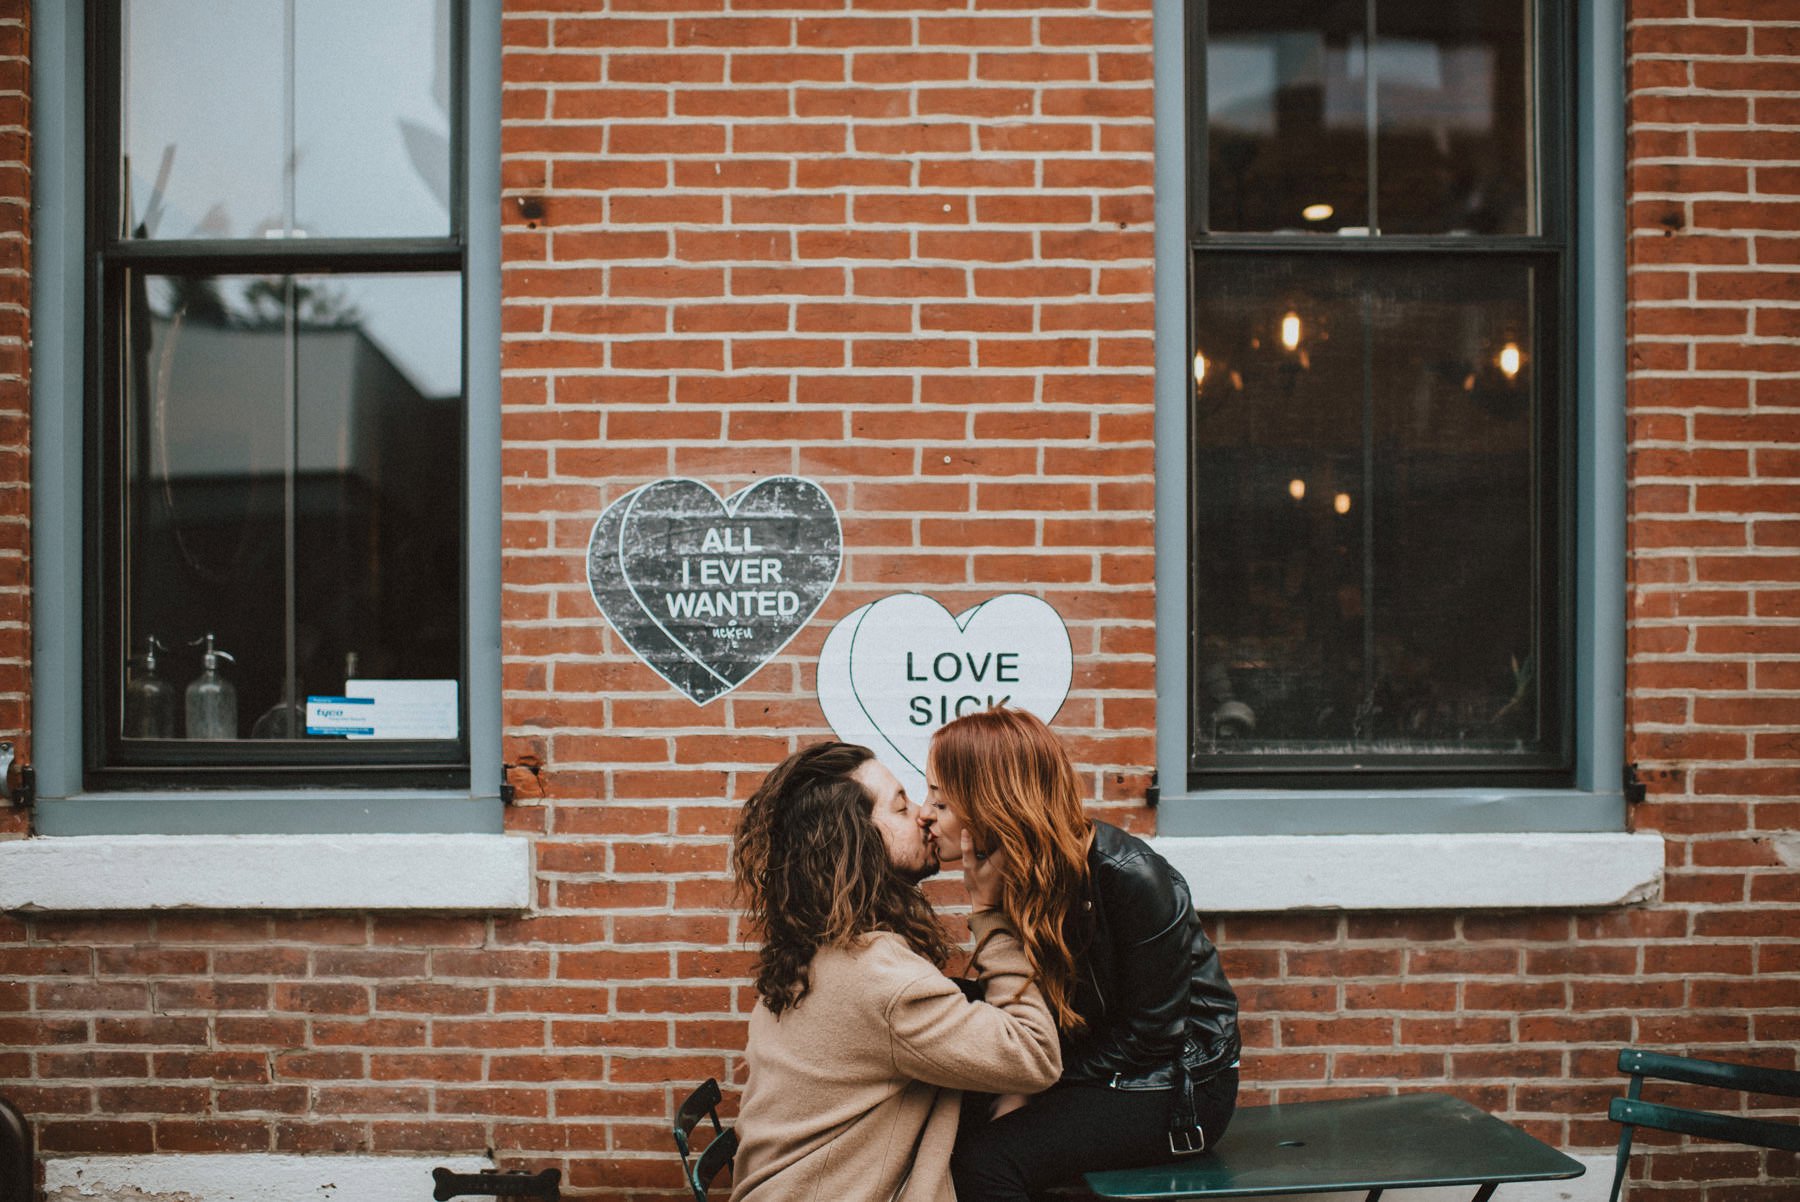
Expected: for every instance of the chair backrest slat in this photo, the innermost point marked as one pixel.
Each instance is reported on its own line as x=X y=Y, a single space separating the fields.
x=717 y=1157
x=1640 y=1062
x=702 y=1103
x=1730 y=1128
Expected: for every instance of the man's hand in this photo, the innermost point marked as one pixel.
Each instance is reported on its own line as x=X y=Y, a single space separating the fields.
x=981 y=875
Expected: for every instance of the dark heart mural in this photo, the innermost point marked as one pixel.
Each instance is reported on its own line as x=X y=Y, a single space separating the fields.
x=705 y=590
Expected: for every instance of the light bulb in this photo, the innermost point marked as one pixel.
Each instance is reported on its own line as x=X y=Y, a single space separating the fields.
x=1199 y=369
x=1290 y=330
x=1317 y=212
x=1297 y=489
x=1341 y=502
x=1510 y=360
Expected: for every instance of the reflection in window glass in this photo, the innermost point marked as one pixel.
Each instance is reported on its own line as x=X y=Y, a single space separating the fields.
x=372 y=122
x=276 y=118
x=1370 y=505
x=201 y=130
x=294 y=484
x=1288 y=139
x=1452 y=94
x=1294 y=96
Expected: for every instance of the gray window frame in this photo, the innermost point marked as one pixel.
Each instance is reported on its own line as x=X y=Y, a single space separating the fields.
x=1596 y=802
x=59 y=178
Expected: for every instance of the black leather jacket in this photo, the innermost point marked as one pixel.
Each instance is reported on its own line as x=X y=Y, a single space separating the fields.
x=1148 y=981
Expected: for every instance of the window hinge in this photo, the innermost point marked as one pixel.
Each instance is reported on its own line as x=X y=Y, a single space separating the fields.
x=18 y=782
x=1635 y=789
x=507 y=792
x=1153 y=792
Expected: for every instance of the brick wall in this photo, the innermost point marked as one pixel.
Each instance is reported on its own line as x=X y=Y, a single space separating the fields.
x=1714 y=659
x=903 y=249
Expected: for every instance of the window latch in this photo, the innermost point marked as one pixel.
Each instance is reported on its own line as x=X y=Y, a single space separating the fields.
x=1635 y=788
x=1153 y=791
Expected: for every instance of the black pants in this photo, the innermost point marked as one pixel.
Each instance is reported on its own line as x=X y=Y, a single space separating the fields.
x=1073 y=1129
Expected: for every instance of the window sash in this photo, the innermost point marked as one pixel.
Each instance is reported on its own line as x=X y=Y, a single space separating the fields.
x=1553 y=764
x=1556 y=93
x=110 y=762
x=1556 y=766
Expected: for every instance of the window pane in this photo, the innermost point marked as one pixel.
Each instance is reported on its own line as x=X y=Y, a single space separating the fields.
x=372 y=117
x=293 y=486
x=202 y=127
x=1292 y=101
x=1453 y=95
x=379 y=530
x=1371 y=570
x=1287 y=116
x=237 y=124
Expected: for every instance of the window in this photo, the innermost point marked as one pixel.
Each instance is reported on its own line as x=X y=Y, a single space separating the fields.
x=1381 y=421
x=267 y=380
x=1378 y=266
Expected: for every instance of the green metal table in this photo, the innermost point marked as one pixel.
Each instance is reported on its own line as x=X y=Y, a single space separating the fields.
x=1374 y=1144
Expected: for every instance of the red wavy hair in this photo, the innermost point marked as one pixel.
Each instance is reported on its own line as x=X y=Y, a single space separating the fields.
x=1009 y=779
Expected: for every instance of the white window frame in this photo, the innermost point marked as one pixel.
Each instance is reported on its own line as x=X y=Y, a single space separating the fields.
x=1498 y=833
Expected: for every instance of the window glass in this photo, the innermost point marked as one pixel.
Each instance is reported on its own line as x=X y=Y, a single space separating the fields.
x=202 y=126
x=274 y=118
x=1294 y=99
x=372 y=124
x=1288 y=112
x=1373 y=454
x=1453 y=94
x=293 y=488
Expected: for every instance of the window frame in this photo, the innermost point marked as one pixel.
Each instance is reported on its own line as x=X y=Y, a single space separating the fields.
x=1594 y=637
x=68 y=50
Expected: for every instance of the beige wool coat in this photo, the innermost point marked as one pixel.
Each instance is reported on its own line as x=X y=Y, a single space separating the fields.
x=853 y=1094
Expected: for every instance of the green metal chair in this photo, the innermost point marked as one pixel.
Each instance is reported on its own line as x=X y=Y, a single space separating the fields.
x=15 y=1155
x=1632 y=1112
x=700 y=1170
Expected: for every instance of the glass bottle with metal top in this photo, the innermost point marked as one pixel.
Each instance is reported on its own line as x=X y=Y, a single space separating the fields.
x=211 y=699
x=149 y=699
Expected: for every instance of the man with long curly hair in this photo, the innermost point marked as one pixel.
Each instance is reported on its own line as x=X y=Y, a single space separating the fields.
x=859 y=1045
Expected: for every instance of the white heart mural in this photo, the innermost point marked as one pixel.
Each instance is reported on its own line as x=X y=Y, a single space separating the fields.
x=895 y=670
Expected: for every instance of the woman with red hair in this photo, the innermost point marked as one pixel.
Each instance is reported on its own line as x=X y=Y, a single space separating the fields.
x=1146 y=1020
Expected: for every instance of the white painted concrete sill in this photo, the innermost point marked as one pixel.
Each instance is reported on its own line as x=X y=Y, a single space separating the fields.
x=245 y=1177
x=263 y=1177
x=1260 y=873
x=446 y=873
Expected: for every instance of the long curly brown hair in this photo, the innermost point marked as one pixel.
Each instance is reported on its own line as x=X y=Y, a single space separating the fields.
x=1009 y=779
x=812 y=871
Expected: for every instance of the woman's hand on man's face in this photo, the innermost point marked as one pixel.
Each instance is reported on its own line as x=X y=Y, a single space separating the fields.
x=981 y=874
